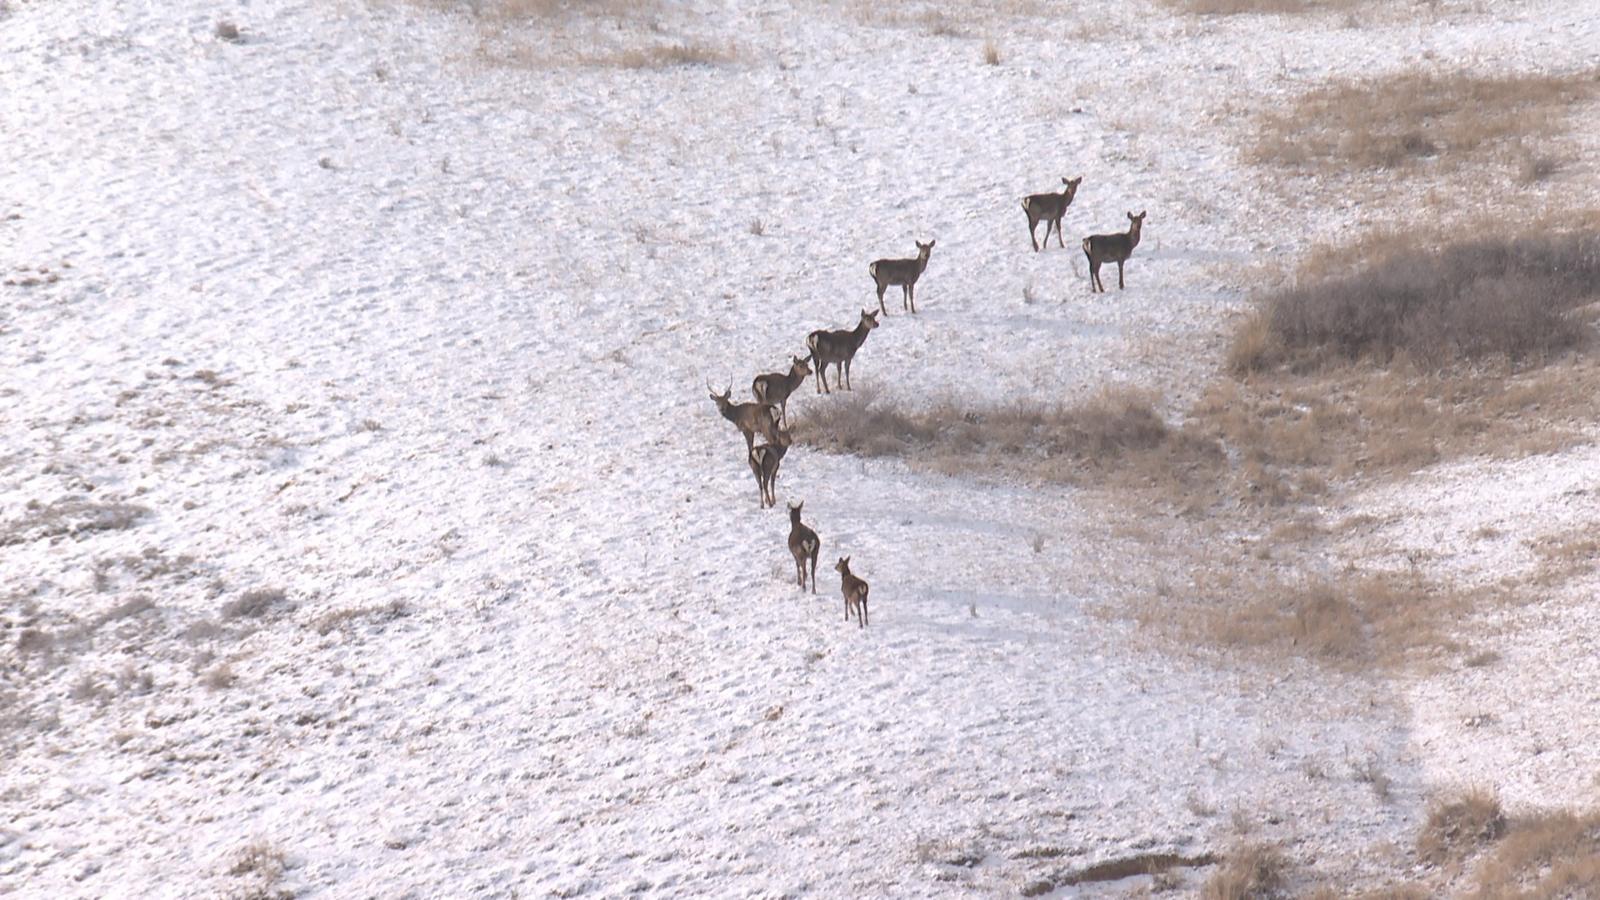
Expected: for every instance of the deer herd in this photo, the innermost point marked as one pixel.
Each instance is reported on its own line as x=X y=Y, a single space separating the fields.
x=768 y=416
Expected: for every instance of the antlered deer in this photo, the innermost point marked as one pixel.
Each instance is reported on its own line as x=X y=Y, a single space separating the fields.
x=803 y=546
x=1104 y=248
x=903 y=272
x=854 y=590
x=749 y=418
x=838 y=348
x=774 y=388
x=1049 y=208
x=764 y=460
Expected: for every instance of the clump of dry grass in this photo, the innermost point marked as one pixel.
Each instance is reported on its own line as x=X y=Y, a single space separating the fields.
x=254 y=604
x=1459 y=826
x=991 y=53
x=1117 y=430
x=1238 y=7
x=1396 y=121
x=1502 y=297
x=661 y=56
x=1251 y=872
x=1544 y=857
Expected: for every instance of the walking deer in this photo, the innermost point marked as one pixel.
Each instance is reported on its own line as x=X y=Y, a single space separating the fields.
x=804 y=545
x=903 y=272
x=838 y=348
x=1049 y=208
x=1104 y=248
x=749 y=418
x=854 y=590
x=774 y=388
x=764 y=460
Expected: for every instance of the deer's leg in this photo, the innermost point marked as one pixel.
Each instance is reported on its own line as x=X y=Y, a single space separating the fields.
x=845 y=374
x=1058 y=235
x=813 y=574
x=1033 y=225
x=1119 y=275
x=911 y=296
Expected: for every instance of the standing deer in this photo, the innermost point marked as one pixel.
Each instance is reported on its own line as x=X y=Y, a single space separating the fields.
x=764 y=460
x=803 y=546
x=1104 y=248
x=749 y=418
x=854 y=590
x=838 y=348
x=1049 y=208
x=774 y=388
x=903 y=272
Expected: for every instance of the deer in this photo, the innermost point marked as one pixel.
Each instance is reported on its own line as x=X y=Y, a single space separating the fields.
x=1104 y=248
x=854 y=590
x=838 y=348
x=764 y=460
x=903 y=272
x=774 y=388
x=749 y=418
x=1049 y=208
x=804 y=545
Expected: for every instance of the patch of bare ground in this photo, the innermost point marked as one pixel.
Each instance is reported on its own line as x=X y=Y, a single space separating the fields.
x=1403 y=123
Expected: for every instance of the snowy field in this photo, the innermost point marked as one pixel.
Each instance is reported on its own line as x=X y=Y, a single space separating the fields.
x=361 y=499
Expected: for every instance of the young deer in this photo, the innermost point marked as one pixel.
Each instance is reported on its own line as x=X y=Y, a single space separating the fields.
x=903 y=272
x=838 y=348
x=804 y=545
x=1104 y=248
x=854 y=590
x=764 y=460
x=1049 y=208
x=749 y=418
x=774 y=388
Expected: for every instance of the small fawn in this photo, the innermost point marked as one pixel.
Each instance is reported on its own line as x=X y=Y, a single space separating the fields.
x=764 y=460
x=1104 y=248
x=903 y=272
x=839 y=348
x=774 y=388
x=804 y=545
x=855 y=592
x=1049 y=208
x=749 y=418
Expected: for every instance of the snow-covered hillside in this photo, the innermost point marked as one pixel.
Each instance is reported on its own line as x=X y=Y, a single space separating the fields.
x=420 y=339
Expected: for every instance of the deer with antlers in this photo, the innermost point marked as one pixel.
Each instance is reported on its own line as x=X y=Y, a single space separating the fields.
x=838 y=348
x=804 y=545
x=854 y=590
x=1104 y=248
x=1049 y=208
x=750 y=418
x=774 y=388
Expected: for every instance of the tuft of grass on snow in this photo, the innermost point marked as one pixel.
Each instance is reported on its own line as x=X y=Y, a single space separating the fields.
x=1397 y=122
x=1260 y=7
x=1506 y=297
x=256 y=603
x=1250 y=872
x=1459 y=825
x=991 y=53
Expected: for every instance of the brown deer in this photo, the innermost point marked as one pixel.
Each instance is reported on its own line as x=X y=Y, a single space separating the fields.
x=774 y=388
x=854 y=590
x=764 y=460
x=903 y=272
x=1049 y=208
x=838 y=348
x=804 y=545
x=1104 y=248
x=749 y=418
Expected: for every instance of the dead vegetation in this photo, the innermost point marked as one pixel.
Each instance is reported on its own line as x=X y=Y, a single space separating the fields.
x=1399 y=122
x=1273 y=7
x=1458 y=826
x=1508 y=298
x=1250 y=872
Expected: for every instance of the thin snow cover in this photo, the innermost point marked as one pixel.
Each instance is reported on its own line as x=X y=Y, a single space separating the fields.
x=361 y=500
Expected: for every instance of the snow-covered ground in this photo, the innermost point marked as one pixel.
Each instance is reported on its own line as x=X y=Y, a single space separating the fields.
x=347 y=311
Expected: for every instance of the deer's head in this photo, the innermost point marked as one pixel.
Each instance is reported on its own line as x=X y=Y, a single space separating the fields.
x=1072 y=186
x=799 y=366
x=869 y=320
x=923 y=250
x=721 y=400
x=794 y=510
x=843 y=565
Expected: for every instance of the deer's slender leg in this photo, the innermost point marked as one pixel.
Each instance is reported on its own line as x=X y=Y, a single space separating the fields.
x=1058 y=235
x=1119 y=275
x=1033 y=225
x=881 y=309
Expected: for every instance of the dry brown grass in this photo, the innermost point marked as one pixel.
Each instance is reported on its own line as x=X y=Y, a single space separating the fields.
x=1401 y=121
x=991 y=53
x=1251 y=872
x=1508 y=298
x=1459 y=826
x=1544 y=857
x=1276 y=7
x=1566 y=554
x=1117 y=431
